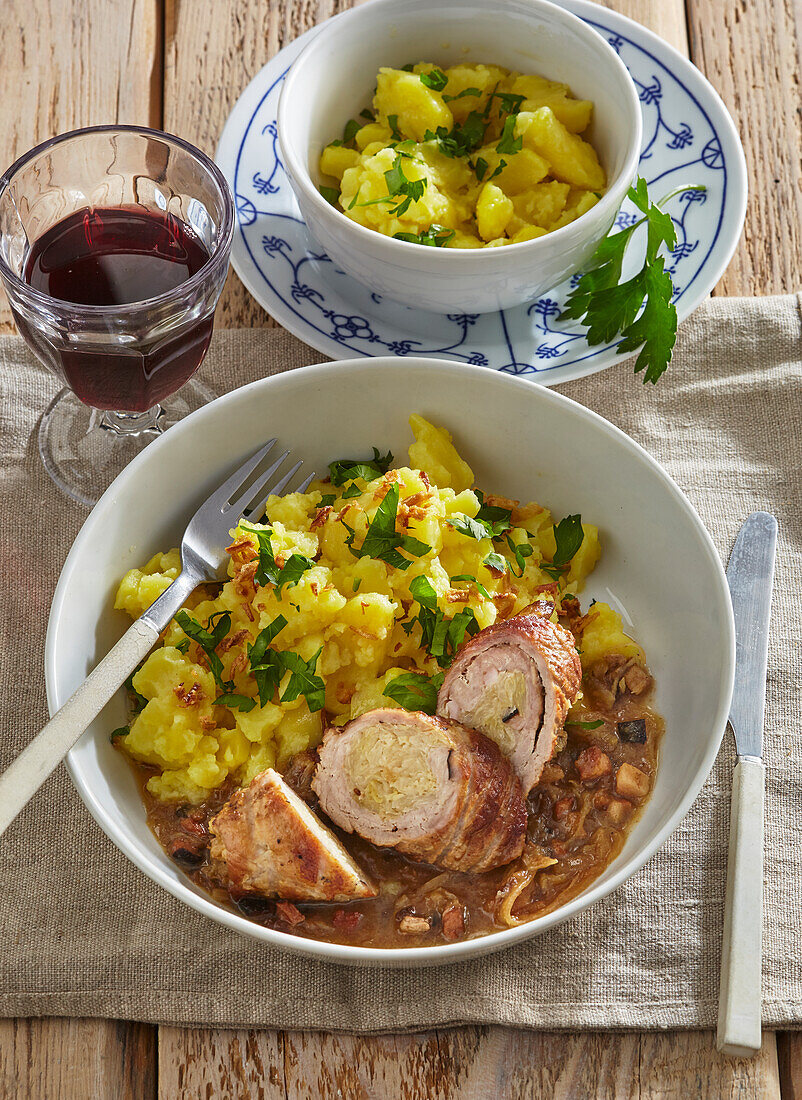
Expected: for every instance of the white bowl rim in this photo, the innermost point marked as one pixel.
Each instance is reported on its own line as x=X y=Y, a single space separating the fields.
x=609 y=203
x=346 y=953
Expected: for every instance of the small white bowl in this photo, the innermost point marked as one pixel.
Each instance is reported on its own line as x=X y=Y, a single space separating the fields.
x=658 y=564
x=333 y=79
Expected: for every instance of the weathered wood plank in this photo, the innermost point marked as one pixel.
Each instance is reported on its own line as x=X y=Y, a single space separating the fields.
x=71 y=63
x=789 y=1059
x=753 y=60
x=56 y=1059
x=666 y=19
x=471 y=1063
x=679 y=1065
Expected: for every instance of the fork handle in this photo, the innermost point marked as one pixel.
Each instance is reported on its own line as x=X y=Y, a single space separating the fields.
x=34 y=764
x=23 y=778
x=741 y=952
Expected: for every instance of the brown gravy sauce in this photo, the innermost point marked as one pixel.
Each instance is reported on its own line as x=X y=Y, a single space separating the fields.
x=570 y=823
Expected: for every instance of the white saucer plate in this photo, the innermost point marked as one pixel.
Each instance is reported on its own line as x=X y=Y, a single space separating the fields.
x=689 y=138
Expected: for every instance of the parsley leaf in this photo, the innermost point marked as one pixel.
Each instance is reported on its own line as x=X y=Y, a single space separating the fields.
x=463 y=139
x=439 y=635
x=392 y=122
x=436 y=80
x=462 y=94
x=522 y=551
x=496 y=562
x=232 y=699
x=123 y=731
x=509 y=103
x=366 y=113
x=497 y=519
x=568 y=537
x=471 y=580
x=382 y=541
x=268 y=571
x=330 y=194
x=398 y=185
x=351 y=127
x=327 y=499
x=480 y=168
x=508 y=142
x=208 y=640
x=346 y=469
x=471 y=528
x=436 y=236
x=609 y=308
x=414 y=691
x=303 y=680
x=587 y=725
x=352 y=491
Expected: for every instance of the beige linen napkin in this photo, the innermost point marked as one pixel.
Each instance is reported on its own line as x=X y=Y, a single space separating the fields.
x=85 y=933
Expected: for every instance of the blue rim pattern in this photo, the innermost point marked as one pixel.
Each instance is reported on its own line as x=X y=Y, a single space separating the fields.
x=326 y=303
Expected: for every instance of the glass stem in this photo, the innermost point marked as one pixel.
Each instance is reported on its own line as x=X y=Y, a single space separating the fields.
x=129 y=423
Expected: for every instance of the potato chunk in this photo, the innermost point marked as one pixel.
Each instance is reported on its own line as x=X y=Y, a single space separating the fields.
x=417 y=108
x=571 y=159
x=493 y=212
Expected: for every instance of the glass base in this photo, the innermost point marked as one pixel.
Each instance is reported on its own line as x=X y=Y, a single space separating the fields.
x=84 y=449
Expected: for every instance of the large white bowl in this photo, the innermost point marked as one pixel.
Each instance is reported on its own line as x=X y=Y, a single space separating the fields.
x=658 y=565
x=333 y=79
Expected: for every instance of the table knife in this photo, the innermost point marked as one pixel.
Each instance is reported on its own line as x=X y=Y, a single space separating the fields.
x=750 y=575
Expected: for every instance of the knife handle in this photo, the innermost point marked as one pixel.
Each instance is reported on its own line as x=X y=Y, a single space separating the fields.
x=741 y=951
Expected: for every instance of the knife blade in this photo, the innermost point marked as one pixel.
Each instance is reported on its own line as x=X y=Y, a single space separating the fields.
x=750 y=576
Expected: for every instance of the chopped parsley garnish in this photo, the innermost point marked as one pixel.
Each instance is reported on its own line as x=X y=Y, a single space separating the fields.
x=509 y=103
x=347 y=469
x=436 y=236
x=497 y=562
x=356 y=583
x=462 y=94
x=407 y=68
x=469 y=577
x=366 y=113
x=392 y=122
x=183 y=646
x=436 y=80
x=268 y=571
x=350 y=131
x=415 y=691
x=463 y=139
x=521 y=551
x=209 y=638
x=382 y=541
x=442 y=637
x=508 y=142
x=497 y=519
x=398 y=187
x=326 y=500
x=123 y=731
x=352 y=491
x=330 y=194
x=568 y=537
x=610 y=308
x=471 y=528
x=138 y=701
x=266 y=664
x=587 y=725
x=481 y=166
x=303 y=680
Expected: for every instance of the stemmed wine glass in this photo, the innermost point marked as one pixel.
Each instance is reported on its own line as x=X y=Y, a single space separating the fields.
x=114 y=248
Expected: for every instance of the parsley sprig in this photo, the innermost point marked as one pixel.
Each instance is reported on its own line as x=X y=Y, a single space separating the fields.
x=347 y=469
x=382 y=540
x=611 y=308
x=568 y=537
x=209 y=638
x=269 y=571
x=399 y=187
x=436 y=236
x=442 y=637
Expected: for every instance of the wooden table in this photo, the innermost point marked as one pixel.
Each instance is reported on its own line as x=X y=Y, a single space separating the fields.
x=180 y=65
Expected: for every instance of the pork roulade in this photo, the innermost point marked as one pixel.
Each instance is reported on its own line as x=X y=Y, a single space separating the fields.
x=514 y=681
x=426 y=786
x=266 y=841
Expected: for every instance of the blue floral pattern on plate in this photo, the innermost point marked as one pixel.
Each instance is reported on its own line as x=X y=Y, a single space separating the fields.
x=688 y=138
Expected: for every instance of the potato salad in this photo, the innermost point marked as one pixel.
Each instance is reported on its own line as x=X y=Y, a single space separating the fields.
x=471 y=156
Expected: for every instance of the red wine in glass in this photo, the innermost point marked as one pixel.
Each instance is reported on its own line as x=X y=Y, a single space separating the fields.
x=115 y=256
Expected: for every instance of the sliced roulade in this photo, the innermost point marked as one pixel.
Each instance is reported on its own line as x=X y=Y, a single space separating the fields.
x=514 y=681
x=425 y=786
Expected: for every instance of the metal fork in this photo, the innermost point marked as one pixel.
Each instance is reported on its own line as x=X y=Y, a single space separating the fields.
x=202 y=559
